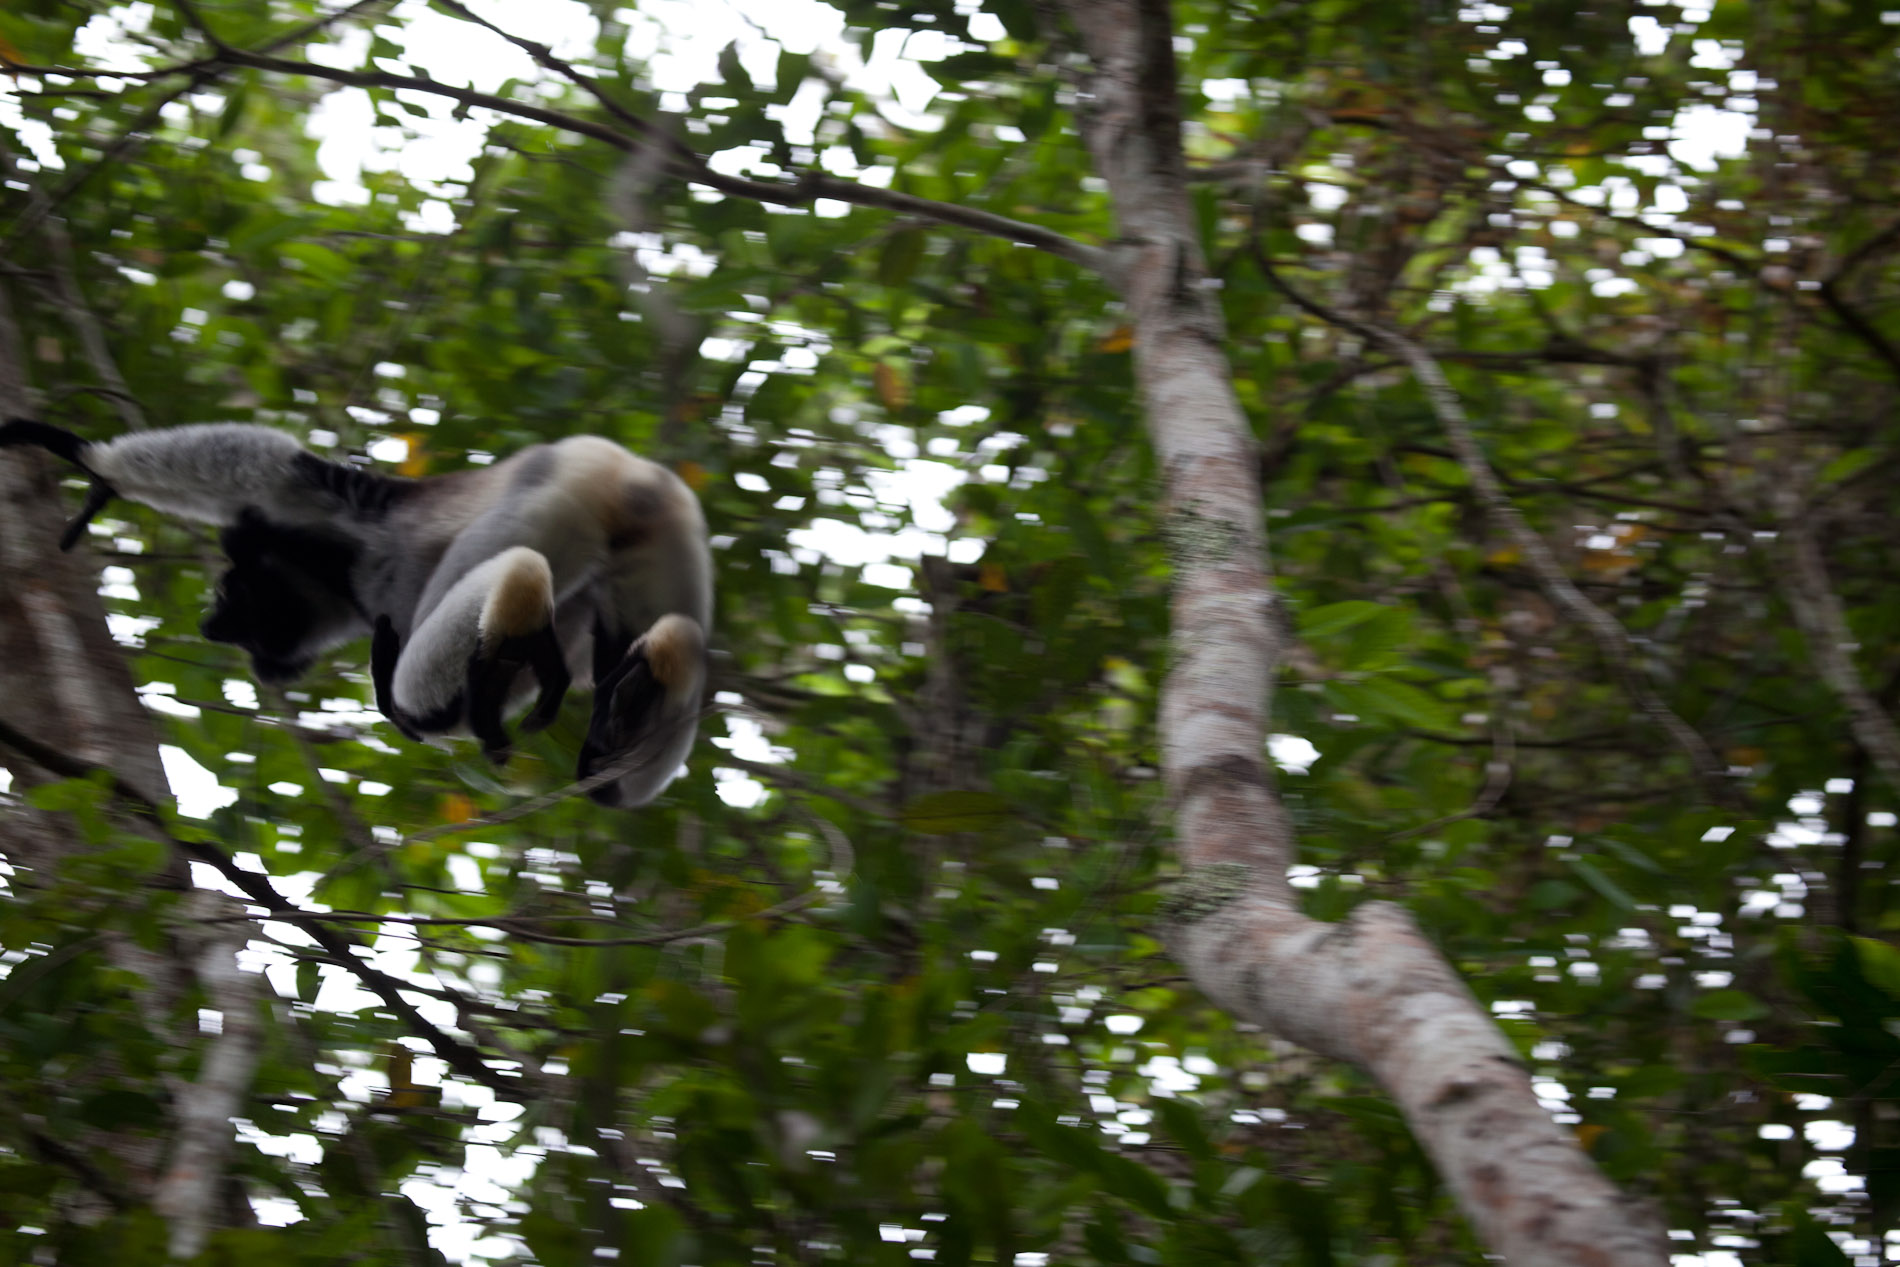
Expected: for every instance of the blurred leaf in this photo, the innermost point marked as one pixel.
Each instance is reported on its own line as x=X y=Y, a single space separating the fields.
x=942 y=813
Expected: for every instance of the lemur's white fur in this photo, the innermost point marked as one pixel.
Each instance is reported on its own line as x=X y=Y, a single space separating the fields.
x=508 y=596
x=208 y=473
x=563 y=536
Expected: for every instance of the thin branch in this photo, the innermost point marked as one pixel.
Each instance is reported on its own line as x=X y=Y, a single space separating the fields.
x=1556 y=351
x=1859 y=326
x=810 y=185
x=51 y=1150
x=62 y=286
x=568 y=71
x=522 y=809
x=789 y=777
x=14 y=66
x=682 y=162
x=200 y=73
x=1862 y=253
x=1823 y=622
x=1610 y=636
x=1736 y=259
x=521 y=927
x=196 y=19
x=340 y=946
x=1849 y=316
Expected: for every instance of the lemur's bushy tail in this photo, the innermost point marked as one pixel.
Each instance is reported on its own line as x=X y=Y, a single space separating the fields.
x=61 y=443
x=58 y=441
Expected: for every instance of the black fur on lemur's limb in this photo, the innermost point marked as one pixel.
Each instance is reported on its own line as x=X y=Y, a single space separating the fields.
x=572 y=562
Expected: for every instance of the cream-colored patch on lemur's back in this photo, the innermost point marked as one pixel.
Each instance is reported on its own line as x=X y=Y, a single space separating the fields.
x=522 y=600
x=675 y=649
x=607 y=480
x=593 y=471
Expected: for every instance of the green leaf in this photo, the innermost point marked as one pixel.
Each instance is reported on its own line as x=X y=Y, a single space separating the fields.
x=1813 y=1247
x=1385 y=696
x=1605 y=886
x=1184 y=1125
x=1728 y=1005
x=943 y=813
x=1373 y=642
x=1630 y=854
x=1879 y=963
x=898 y=260
x=1335 y=618
x=1847 y=466
x=121 y=1110
x=793 y=70
x=233 y=113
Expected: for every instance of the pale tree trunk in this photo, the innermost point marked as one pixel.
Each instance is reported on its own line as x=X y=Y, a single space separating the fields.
x=1373 y=990
x=65 y=683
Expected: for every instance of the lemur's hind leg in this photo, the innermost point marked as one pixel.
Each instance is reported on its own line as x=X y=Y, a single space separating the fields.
x=385 y=646
x=491 y=681
x=463 y=663
x=646 y=708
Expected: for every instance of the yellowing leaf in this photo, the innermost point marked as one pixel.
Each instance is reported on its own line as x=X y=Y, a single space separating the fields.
x=692 y=473
x=1588 y=1133
x=990 y=576
x=1120 y=339
x=457 y=808
x=1504 y=557
x=891 y=387
x=415 y=462
x=944 y=813
x=404 y=1092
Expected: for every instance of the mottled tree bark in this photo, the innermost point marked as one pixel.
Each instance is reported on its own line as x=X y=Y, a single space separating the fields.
x=63 y=679
x=1372 y=990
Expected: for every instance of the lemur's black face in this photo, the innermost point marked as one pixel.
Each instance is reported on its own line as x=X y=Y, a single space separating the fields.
x=265 y=608
x=285 y=596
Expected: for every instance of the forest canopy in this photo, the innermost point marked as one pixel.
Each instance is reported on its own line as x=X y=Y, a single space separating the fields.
x=1505 y=392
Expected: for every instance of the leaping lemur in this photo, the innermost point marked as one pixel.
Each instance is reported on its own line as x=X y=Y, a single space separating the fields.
x=565 y=562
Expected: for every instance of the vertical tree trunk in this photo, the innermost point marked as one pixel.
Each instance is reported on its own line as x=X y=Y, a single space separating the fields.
x=1371 y=991
x=64 y=680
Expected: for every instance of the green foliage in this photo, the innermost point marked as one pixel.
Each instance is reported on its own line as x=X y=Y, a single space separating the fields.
x=965 y=753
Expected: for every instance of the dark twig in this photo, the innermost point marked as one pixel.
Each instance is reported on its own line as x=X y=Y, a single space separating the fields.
x=1735 y=259
x=62 y=286
x=809 y=186
x=1823 y=622
x=1859 y=326
x=568 y=71
x=1865 y=251
x=522 y=927
x=200 y=73
x=340 y=946
x=1610 y=636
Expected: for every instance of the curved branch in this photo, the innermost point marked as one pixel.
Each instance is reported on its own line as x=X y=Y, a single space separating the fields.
x=200 y=72
x=1858 y=324
x=689 y=166
x=339 y=946
x=1823 y=622
x=1609 y=634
